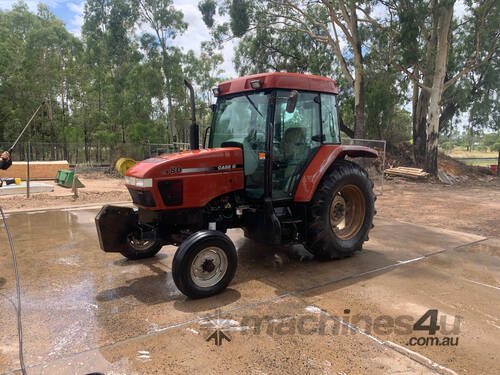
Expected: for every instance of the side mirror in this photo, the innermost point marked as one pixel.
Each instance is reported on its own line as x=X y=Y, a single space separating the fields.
x=213 y=107
x=292 y=101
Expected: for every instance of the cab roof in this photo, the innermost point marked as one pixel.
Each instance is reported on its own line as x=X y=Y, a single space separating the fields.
x=279 y=80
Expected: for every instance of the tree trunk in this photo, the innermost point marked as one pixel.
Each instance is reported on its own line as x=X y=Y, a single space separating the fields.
x=422 y=107
x=445 y=15
x=170 y=117
x=166 y=78
x=498 y=163
x=99 y=90
x=419 y=129
x=359 y=90
x=86 y=136
x=52 y=130
x=359 y=104
x=433 y=132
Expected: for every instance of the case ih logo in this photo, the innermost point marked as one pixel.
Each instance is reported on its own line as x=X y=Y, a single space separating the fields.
x=221 y=167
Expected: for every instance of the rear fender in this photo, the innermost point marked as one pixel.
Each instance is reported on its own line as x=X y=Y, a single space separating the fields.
x=323 y=159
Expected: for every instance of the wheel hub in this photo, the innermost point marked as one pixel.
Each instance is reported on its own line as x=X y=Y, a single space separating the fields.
x=347 y=212
x=337 y=210
x=209 y=267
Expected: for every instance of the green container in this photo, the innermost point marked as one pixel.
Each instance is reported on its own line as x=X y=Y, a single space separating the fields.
x=65 y=178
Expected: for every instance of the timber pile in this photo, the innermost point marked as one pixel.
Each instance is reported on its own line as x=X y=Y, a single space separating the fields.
x=407 y=172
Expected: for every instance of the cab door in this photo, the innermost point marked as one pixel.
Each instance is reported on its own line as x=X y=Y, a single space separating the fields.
x=296 y=137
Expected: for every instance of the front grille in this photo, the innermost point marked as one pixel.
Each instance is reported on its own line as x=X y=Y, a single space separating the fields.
x=142 y=197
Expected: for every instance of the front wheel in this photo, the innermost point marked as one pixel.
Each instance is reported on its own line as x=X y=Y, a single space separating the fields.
x=140 y=249
x=204 y=264
x=341 y=212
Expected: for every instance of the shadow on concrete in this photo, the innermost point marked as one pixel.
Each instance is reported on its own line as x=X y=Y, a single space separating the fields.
x=160 y=288
x=218 y=301
x=307 y=277
x=2 y=282
x=124 y=262
x=151 y=289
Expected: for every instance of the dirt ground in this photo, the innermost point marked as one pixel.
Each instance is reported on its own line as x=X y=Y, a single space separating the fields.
x=472 y=207
x=99 y=188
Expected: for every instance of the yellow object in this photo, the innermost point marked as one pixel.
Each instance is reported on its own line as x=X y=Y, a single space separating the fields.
x=123 y=164
x=18 y=181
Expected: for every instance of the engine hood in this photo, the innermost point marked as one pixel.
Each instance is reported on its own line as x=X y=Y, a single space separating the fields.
x=187 y=162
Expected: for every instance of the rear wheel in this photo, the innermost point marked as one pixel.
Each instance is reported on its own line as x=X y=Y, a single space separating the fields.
x=140 y=249
x=204 y=264
x=341 y=212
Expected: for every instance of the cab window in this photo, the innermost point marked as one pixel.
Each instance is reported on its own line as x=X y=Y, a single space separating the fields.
x=329 y=119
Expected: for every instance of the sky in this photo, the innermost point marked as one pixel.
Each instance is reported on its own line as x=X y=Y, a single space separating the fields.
x=71 y=12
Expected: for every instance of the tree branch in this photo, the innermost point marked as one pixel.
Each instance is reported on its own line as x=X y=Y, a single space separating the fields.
x=335 y=21
x=345 y=129
x=343 y=63
x=412 y=77
x=472 y=63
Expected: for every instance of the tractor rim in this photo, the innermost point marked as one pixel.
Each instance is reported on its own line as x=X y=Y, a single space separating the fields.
x=347 y=212
x=139 y=245
x=209 y=267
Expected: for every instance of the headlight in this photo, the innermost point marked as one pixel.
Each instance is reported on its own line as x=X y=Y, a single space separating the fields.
x=144 y=182
x=130 y=180
x=139 y=182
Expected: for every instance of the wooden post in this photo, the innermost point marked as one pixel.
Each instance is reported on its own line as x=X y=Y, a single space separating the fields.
x=74 y=187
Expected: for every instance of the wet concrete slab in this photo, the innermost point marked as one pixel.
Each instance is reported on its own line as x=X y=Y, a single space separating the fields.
x=35 y=187
x=270 y=345
x=84 y=310
x=462 y=285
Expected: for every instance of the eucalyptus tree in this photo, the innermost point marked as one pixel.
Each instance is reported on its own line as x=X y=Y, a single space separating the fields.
x=37 y=54
x=336 y=24
x=166 y=23
x=204 y=71
x=424 y=34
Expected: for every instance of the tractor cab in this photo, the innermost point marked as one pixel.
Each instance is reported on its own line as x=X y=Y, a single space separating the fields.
x=279 y=123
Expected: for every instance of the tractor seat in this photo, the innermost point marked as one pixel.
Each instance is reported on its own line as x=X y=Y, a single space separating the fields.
x=294 y=145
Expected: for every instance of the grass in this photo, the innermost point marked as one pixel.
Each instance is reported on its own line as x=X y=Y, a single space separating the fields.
x=457 y=153
x=485 y=163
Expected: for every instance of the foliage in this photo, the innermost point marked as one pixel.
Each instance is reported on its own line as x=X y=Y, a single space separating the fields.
x=113 y=86
x=207 y=9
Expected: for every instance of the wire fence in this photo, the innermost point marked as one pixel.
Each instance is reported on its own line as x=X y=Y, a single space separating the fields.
x=374 y=166
x=94 y=154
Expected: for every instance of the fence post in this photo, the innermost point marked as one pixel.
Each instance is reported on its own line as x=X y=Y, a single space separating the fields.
x=28 y=171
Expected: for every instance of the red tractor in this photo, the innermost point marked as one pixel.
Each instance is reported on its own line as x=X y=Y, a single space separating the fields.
x=274 y=166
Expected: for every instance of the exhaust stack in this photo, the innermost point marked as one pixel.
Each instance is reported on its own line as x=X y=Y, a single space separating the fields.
x=194 y=138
